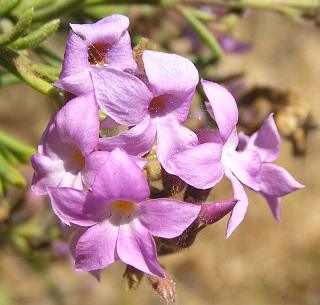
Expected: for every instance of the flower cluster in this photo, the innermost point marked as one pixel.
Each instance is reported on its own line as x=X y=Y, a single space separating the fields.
x=97 y=184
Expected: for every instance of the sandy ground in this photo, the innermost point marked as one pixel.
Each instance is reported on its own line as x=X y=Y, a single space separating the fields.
x=263 y=263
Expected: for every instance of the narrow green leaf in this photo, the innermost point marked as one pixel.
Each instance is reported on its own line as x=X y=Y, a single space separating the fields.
x=205 y=35
x=3 y=189
x=7 y=79
x=7 y=5
x=49 y=56
x=48 y=73
x=35 y=38
x=14 y=33
x=19 y=65
x=56 y=9
x=9 y=155
x=26 y=4
x=11 y=174
x=21 y=150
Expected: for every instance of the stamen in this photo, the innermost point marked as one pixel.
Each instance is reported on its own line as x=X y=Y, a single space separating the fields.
x=123 y=207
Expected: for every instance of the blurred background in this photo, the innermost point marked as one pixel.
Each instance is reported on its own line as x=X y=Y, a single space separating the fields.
x=264 y=262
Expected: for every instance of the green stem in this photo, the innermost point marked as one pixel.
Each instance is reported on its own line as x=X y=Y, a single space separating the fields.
x=7 y=5
x=16 y=146
x=20 y=66
x=14 y=33
x=205 y=35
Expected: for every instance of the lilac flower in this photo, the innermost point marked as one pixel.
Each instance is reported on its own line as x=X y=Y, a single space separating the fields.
x=233 y=45
x=204 y=165
x=104 y=43
x=275 y=181
x=116 y=220
x=156 y=106
x=69 y=138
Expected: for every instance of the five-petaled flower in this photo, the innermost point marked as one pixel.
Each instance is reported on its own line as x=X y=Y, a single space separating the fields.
x=117 y=219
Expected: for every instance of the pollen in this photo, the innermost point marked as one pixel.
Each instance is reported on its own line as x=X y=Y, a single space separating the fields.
x=123 y=206
x=78 y=158
x=97 y=54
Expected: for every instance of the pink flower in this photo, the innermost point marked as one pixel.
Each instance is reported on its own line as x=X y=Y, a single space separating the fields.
x=117 y=220
x=101 y=44
x=156 y=106
x=69 y=138
x=275 y=181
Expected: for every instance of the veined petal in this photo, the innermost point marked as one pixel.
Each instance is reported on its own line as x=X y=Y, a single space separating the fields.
x=245 y=166
x=276 y=181
x=96 y=247
x=209 y=136
x=173 y=76
x=275 y=205
x=243 y=141
x=97 y=159
x=52 y=173
x=172 y=138
x=136 y=247
x=121 y=178
x=224 y=107
x=136 y=141
x=240 y=209
x=78 y=123
x=167 y=218
x=76 y=207
x=266 y=141
x=108 y=30
x=122 y=96
x=199 y=166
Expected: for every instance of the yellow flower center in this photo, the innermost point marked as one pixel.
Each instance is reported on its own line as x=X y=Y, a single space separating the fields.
x=78 y=158
x=123 y=207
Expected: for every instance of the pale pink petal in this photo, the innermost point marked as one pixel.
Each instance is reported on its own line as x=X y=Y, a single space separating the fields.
x=173 y=76
x=97 y=159
x=275 y=206
x=224 y=107
x=245 y=166
x=243 y=141
x=172 y=138
x=207 y=136
x=240 y=209
x=52 y=173
x=167 y=218
x=77 y=207
x=121 y=178
x=78 y=123
x=96 y=247
x=276 y=181
x=136 y=247
x=199 y=166
x=266 y=141
x=136 y=141
x=124 y=97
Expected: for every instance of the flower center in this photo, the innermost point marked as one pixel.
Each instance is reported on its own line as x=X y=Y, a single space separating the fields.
x=97 y=54
x=78 y=158
x=122 y=207
x=157 y=105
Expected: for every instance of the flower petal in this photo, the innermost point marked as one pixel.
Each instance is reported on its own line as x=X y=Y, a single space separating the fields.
x=136 y=247
x=199 y=166
x=97 y=159
x=167 y=218
x=96 y=247
x=136 y=141
x=124 y=97
x=266 y=141
x=223 y=106
x=77 y=207
x=108 y=30
x=78 y=123
x=275 y=205
x=172 y=75
x=245 y=166
x=240 y=209
x=52 y=173
x=172 y=138
x=121 y=178
x=276 y=181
